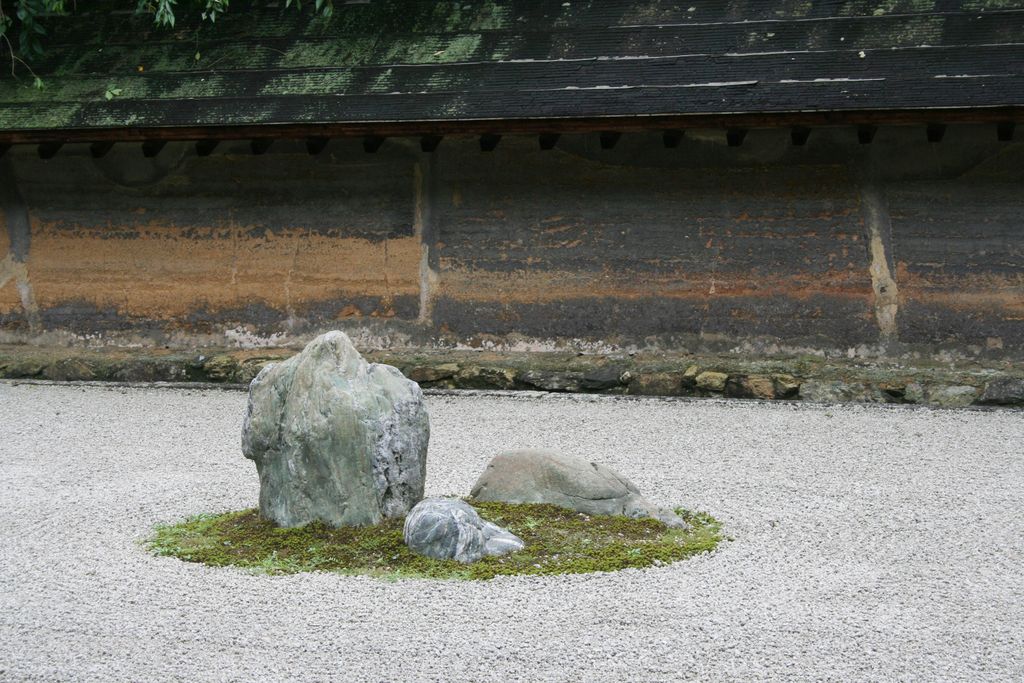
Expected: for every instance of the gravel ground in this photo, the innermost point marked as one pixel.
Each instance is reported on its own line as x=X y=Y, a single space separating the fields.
x=868 y=543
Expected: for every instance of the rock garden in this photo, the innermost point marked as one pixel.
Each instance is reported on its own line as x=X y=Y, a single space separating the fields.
x=340 y=446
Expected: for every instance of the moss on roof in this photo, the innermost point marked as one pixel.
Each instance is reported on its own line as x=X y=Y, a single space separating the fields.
x=419 y=60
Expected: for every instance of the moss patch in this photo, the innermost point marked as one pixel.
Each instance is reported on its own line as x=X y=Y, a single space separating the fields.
x=558 y=541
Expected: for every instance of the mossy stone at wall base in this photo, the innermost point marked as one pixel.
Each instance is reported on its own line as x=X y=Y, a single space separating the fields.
x=803 y=378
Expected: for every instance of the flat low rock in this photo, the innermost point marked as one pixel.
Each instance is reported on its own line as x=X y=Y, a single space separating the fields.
x=334 y=438
x=827 y=391
x=1006 y=391
x=447 y=529
x=543 y=476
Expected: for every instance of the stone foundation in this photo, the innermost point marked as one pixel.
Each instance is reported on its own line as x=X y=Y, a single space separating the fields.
x=793 y=379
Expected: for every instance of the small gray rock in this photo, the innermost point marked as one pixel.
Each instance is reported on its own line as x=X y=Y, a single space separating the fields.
x=656 y=383
x=447 y=529
x=940 y=395
x=712 y=381
x=553 y=381
x=425 y=374
x=607 y=377
x=542 y=476
x=915 y=393
x=334 y=438
x=824 y=391
x=952 y=395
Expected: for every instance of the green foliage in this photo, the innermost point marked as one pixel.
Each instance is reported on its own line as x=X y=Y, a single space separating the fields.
x=558 y=541
x=23 y=22
x=26 y=17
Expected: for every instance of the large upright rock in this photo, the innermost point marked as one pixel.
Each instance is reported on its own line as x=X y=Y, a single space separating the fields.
x=335 y=438
x=542 y=476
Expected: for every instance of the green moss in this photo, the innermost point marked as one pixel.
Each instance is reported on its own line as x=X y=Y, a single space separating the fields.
x=54 y=115
x=909 y=32
x=880 y=8
x=558 y=541
x=312 y=83
x=794 y=8
x=384 y=81
x=461 y=48
x=349 y=51
x=982 y=5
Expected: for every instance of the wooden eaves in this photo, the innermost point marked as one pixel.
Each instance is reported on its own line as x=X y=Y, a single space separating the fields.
x=1006 y=116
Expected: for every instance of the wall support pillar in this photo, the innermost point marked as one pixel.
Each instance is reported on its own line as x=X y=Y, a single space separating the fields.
x=425 y=196
x=14 y=265
x=878 y=226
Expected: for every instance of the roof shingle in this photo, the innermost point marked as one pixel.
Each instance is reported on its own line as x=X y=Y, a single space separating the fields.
x=422 y=61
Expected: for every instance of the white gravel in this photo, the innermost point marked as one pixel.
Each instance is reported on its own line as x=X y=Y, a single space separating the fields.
x=870 y=543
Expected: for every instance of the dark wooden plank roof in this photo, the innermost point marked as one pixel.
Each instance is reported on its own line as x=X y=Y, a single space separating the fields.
x=389 y=61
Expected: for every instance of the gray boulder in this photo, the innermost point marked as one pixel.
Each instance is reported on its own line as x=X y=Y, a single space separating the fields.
x=951 y=395
x=446 y=529
x=334 y=438
x=940 y=395
x=542 y=476
x=1005 y=391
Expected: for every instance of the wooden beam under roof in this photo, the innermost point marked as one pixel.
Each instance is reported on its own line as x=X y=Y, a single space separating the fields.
x=371 y=143
x=671 y=138
x=98 y=150
x=994 y=115
x=48 y=150
x=609 y=138
x=548 y=140
x=866 y=133
x=260 y=145
x=735 y=136
x=935 y=132
x=428 y=143
x=152 y=148
x=317 y=144
x=204 y=148
x=489 y=141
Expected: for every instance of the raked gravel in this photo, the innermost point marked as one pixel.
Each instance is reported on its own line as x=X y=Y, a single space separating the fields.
x=869 y=543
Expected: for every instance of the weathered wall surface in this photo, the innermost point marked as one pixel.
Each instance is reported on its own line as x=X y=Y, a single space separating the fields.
x=897 y=247
x=186 y=245
x=960 y=261
x=594 y=245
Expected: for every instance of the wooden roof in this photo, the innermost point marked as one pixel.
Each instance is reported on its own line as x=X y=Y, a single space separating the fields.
x=500 y=62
